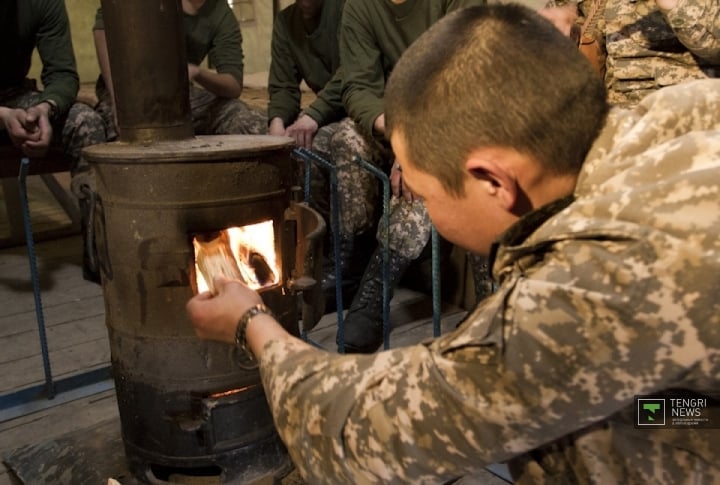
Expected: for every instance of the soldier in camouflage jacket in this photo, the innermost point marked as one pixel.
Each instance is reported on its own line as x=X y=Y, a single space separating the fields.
x=650 y=44
x=603 y=233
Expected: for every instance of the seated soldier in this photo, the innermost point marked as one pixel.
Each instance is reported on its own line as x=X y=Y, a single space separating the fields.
x=305 y=48
x=32 y=119
x=602 y=231
x=371 y=42
x=212 y=31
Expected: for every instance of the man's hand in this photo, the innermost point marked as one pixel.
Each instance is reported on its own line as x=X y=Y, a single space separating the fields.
x=193 y=71
x=666 y=4
x=379 y=124
x=30 y=129
x=216 y=317
x=220 y=84
x=397 y=183
x=303 y=131
x=276 y=127
x=562 y=17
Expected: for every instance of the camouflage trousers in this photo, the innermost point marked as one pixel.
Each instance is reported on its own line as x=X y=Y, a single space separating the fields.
x=211 y=114
x=80 y=127
x=360 y=199
x=319 y=189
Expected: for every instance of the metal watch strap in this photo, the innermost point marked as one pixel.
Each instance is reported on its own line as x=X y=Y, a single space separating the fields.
x=240 y=331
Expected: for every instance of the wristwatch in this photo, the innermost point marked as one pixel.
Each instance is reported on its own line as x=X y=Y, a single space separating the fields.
x=246 y=358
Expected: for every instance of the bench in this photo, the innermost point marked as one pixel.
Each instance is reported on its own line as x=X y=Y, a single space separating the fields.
x=47 y=168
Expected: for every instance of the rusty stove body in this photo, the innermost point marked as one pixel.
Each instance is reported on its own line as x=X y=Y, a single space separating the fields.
x=186 y=406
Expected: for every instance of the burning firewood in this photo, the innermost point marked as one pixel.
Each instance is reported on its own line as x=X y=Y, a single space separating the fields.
x=215 y=258
x=263 y=272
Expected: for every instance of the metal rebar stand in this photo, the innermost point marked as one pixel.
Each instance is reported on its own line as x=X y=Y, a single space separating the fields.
x=311 y=158
x=385 y=248
x=32 y=258
x=51 y=392
x=436 y=285
x=384 y=244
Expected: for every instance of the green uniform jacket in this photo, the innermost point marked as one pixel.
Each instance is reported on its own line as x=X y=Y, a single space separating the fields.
x=213 y=33
x=374 y=34
x=602 y=296
x=314 y=58
x=43 y=24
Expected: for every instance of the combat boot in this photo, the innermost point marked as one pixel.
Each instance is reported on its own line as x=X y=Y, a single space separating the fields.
x=353 y=260
x=363 y=328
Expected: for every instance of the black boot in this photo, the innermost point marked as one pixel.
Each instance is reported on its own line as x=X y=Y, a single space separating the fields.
x=353 y=260
x=364 y=321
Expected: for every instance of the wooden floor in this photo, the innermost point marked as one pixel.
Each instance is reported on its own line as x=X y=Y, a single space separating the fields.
x=73 y=311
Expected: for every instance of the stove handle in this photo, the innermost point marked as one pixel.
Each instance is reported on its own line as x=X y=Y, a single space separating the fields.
x=307 y=273
x=95 y=250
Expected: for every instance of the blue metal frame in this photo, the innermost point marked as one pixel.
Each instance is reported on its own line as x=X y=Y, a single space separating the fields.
x=311 y=158
x=385 y=244
x=435 y=262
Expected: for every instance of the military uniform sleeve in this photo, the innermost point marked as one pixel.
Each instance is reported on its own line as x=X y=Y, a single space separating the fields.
x=697 y=25
x=99 y=22
x=226 y=54
x=328 y=106
x=284 y=77
x=54 y=44
x=363 y=79
x=553 y=351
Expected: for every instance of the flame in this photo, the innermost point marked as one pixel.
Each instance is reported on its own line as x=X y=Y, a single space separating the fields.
x=253 y=247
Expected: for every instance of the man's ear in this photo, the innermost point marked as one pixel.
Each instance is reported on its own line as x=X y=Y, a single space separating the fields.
x=499 y=182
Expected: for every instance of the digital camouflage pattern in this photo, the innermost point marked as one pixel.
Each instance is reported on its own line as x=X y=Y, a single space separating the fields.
x=215 y=115
x=211 y=114
x=648 y=48
x=360 y=194
x=319 y=196
x=604 y=295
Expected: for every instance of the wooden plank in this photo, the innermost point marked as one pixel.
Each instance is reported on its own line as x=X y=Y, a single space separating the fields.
x=63 y=336
x=55 y=421
x=65 y=362
x=51 y=294
x=91 y=308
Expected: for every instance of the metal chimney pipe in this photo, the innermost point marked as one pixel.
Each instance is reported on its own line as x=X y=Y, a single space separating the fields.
x=148 y=63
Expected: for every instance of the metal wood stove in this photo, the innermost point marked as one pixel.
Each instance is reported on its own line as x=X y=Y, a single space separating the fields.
x=186 y=406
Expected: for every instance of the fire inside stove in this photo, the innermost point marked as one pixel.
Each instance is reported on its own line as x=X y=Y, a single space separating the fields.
x=244 y=253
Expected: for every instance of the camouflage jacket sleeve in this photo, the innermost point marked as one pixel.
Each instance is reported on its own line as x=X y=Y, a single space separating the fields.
x=601 y=297
x=697 y=25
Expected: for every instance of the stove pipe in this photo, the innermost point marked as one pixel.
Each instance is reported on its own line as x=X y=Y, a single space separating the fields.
x=148 y=63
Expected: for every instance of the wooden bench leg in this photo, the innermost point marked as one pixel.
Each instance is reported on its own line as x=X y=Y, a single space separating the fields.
x=11 y=194
x=13 y=207
x=65 y=199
